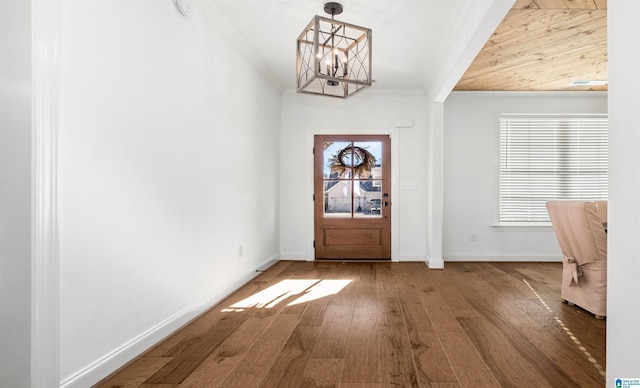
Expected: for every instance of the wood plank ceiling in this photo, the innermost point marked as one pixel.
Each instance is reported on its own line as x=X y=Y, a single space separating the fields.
x=543 y=45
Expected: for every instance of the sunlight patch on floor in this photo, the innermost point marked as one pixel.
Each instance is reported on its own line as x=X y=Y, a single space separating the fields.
x=322 y=289
x=568 y=332
x=311 y=289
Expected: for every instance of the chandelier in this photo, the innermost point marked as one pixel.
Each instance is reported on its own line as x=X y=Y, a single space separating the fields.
x=333 y=57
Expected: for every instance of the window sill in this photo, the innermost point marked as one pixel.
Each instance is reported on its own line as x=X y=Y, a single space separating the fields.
x=523 y=226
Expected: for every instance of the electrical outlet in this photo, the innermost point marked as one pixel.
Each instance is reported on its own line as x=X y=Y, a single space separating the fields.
x=473 y=236
x=240 y=251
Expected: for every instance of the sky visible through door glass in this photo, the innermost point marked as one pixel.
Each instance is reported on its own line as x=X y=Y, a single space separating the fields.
x=374 y=147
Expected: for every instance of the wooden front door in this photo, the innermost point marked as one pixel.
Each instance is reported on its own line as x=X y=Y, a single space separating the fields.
x=352 y=197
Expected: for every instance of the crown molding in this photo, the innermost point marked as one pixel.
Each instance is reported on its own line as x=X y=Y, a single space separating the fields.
x=531 y=93
x=215 y=16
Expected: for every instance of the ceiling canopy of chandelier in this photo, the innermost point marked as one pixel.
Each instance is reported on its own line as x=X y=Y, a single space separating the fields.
x=334 y=57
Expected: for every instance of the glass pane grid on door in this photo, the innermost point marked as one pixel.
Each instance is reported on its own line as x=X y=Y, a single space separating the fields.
x=352 y=179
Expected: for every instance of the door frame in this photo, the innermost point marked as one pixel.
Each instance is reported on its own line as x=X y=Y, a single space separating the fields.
x=393 y=135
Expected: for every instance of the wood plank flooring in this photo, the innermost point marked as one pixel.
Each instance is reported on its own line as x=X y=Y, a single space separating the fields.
x=334 y=324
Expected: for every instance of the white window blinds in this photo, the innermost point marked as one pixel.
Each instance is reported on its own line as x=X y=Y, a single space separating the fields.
x=543 y=158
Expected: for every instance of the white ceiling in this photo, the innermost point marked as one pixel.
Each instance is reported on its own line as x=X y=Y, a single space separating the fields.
x=415 y=42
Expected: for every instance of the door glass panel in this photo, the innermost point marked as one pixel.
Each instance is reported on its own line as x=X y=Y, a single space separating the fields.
x=337 y=198
x=332 y=155
x=372 y=152
x=369 y=177
x=352 y=179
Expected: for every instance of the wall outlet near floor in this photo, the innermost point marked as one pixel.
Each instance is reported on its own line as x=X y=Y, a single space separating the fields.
x=240 y=251
x=473 y=236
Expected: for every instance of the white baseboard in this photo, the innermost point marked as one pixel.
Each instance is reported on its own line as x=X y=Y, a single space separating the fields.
x=410 y=257
x=433 y=263
x=294 y=256
x=501 y=257
x=125 y=353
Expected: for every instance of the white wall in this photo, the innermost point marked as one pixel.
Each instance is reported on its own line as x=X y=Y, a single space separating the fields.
x=303 y=115
x=623 y=287
x=15 y=193
x=471 y=151
x=169 y=162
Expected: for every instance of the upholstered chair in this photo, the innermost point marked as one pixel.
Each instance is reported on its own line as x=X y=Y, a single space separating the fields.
x=603 y=211
x=581 y=233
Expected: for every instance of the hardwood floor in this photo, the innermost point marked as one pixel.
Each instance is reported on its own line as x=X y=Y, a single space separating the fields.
x=334 y=324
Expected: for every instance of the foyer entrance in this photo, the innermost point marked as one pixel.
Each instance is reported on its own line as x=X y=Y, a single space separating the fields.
x=352 y=197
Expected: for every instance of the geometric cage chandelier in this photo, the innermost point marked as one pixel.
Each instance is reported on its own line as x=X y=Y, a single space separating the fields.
x=333 y=57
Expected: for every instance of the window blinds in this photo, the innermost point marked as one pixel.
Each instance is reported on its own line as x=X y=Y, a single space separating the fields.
x=543 y=158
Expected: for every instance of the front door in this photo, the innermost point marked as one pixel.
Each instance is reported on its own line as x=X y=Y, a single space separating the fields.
x=352 y=197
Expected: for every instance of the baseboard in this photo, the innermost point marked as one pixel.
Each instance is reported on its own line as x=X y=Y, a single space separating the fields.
x=410 y=257
x=495 y=257
x=435 y=263
x=125 y=353
x=293 y=256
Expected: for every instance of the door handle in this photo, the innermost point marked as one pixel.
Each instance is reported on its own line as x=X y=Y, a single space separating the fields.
x=385 y=203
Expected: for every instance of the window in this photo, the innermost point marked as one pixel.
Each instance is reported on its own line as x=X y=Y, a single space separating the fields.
x=549 y=157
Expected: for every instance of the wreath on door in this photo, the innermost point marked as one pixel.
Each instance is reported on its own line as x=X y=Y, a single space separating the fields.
x=362 y=162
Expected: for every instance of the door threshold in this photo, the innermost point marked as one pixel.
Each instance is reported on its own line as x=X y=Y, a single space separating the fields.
x=355 y=260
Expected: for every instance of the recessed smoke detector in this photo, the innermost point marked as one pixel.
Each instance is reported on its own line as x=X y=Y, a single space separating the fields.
x=588 y=83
